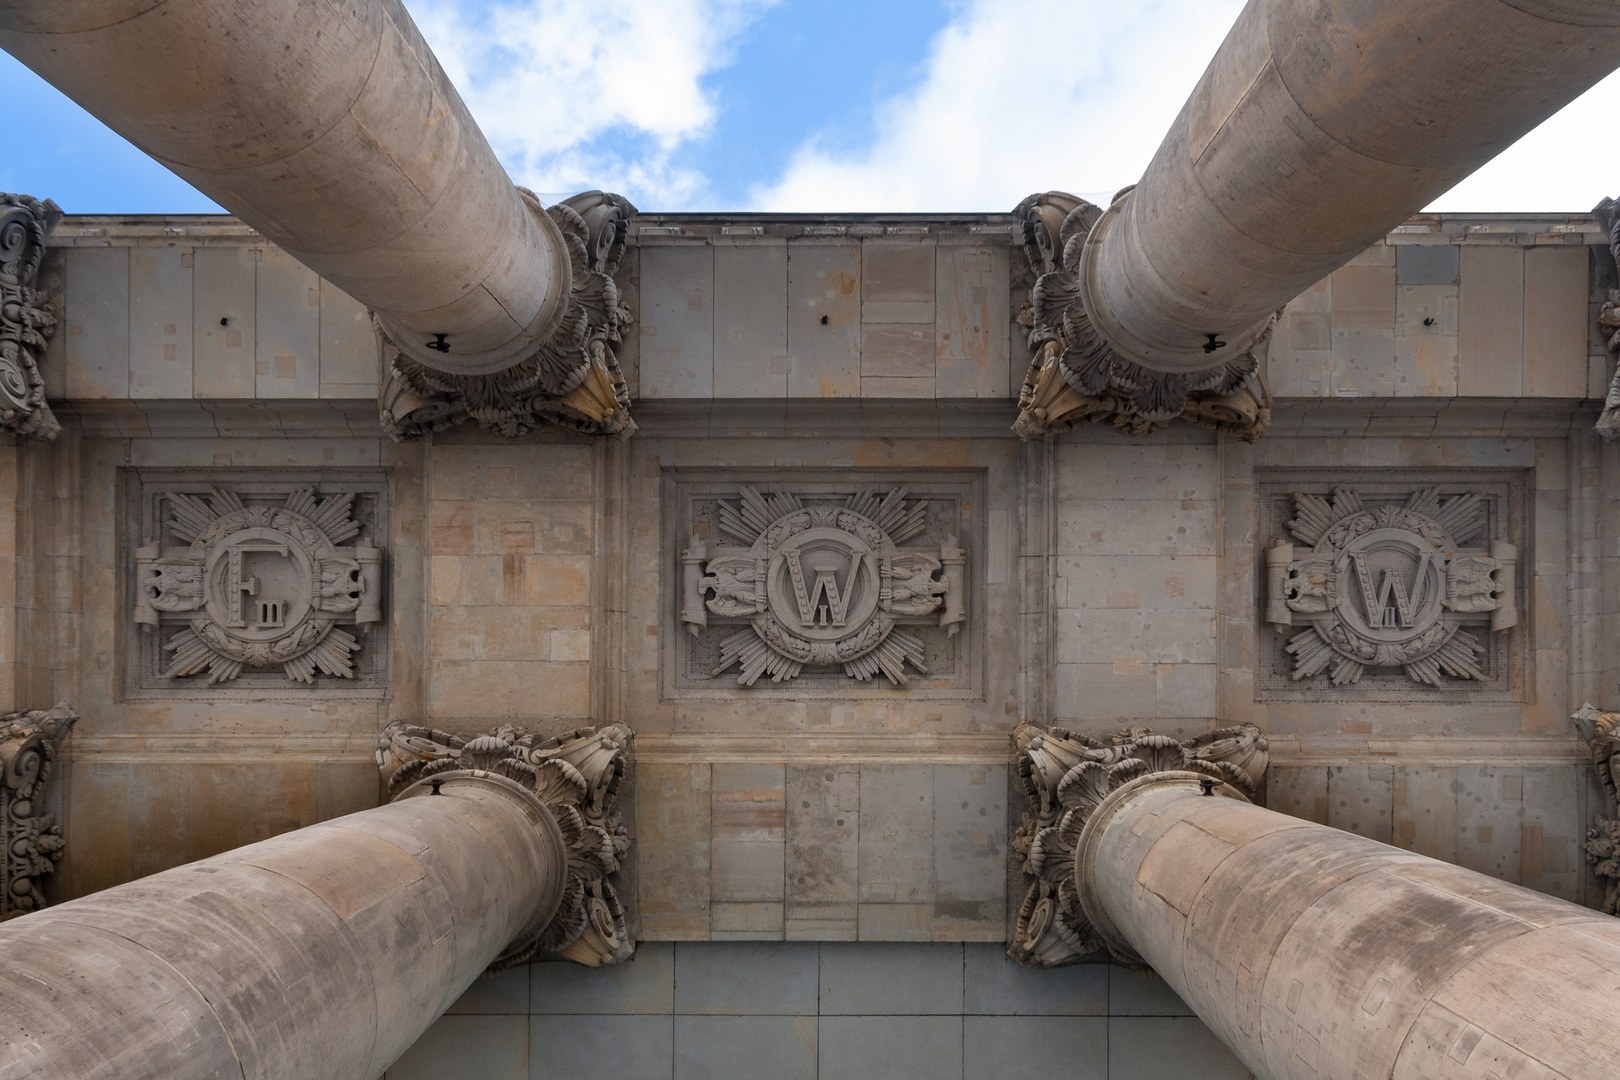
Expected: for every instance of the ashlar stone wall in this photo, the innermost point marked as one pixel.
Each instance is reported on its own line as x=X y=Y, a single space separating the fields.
x=1106 y=579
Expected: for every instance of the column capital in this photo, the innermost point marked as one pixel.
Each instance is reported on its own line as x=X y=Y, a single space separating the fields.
x=28 y=315
x=29 y=744
x=1068 y=778
x=575 y=778
x=572 y=379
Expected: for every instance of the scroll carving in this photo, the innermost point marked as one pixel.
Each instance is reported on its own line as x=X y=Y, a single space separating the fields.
x=577 y=776
x=1608 y=423
x=1389 y=586
x=260 y=585
x=572 y=380
x=27 y=316
x=1601 y=731
x=1066 y=776
x=30 y=839
x=1076 y=378
x=823 y=583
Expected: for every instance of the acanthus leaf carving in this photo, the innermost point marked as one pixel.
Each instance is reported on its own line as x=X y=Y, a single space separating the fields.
x=1389 y=586
x=30 y=839
x=1607 y=213
x=1601 y=731
x=572 y=380
x=1076 y=378
x=1066 y=776
x=823 y=584
x=577 y=777
x=260 y=585
x=28 y=316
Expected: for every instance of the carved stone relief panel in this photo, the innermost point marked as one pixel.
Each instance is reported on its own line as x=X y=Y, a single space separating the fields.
x=243 y=580
x=1380 y=584
x=824 y=583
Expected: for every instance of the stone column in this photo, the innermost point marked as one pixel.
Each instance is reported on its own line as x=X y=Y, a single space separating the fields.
x=1316 y=130
x=331 y=129
x=1317 y=954
x=325 y=952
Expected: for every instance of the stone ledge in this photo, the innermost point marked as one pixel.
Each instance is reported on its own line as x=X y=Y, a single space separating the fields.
x=1447 y=751
x=197 y=748
x=992 y=748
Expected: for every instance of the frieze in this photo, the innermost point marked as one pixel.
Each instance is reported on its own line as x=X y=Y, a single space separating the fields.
x=30 y=839
x=1372 y=585
x=831 y=582
x=249 y=583
x=1389 y=586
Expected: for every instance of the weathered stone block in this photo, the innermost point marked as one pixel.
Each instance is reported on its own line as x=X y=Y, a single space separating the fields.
x=1491 y=322
x=824 y=306
x=900 y=351
x=1426 y=264
x=160 y=322
x=890 y=979
x=1360 y=798
x=287 y=328
x=224 y=308
x=897 y=271
x=677 y=321
x=896 y=840
x=1001 y=1046
x=891 y=1048
x=744 y=1047
x=972 y=347
x=1363 y=298
x=1555 y=322
x=350 y=358
x=673 y=855
x=627 y=1047
x=750 y=321
x=97 y=327
x=746 y=979
x=970 y=849
x=823 y=830
x=992 y=985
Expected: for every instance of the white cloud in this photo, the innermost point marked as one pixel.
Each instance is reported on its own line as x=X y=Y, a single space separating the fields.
x=1025 y=95
x=1021 y=96
x=548 y=79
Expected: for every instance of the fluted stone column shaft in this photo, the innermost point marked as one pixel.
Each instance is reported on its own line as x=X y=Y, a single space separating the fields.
x=1319 y=127
x=329 y=127
x=321 y=953
x=1316 y=954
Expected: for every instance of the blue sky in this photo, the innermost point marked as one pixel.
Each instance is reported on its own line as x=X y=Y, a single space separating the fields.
x=793 y=105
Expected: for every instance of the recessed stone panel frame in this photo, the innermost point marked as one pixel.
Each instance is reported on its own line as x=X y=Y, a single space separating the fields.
x=1505 y=493
x=956 y=506
x=143 y=493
